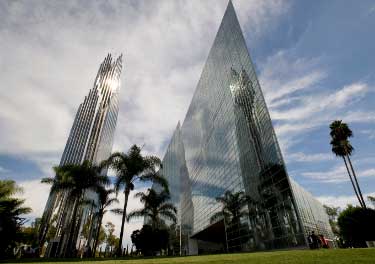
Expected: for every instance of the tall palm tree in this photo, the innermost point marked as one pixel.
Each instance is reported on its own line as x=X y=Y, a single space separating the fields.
x=75 y=180
x=155 y=208
x=340 y=134
x=232 y=203
x=131 y=167
x=104 y=201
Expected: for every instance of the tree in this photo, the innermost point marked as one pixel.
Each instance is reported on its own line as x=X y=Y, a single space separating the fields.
x=155 y=208
x=232 y=205
x=104 y=201
x=357 y=225
x=372 y=200
x=174 y=239
x=131 y=167
x=76 y=179
x=333 y=213
x=29 y=235
x=52 y=229
x=11 y=221
x=231 y=213
x=101 y=238
x=111 y=239
x=149 y=240
x=340 y=134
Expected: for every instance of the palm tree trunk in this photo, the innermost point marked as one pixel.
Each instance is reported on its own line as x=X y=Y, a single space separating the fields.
x=226 y=236
x=97 y=235
x=69 y=247
x=119 y=249
x=356 y=182
x=351 y=180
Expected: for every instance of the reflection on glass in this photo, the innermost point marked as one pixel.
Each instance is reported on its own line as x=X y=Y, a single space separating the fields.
x=227 y=143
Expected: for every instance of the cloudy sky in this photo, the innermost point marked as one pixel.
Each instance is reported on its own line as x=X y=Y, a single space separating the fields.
x=315 y=62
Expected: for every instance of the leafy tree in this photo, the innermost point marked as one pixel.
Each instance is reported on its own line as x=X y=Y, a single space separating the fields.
x=340 y=134
x=357 y=225
x=149 y=240
x=372 y=200
x=52 y=228
x=155 y=208
x=333 y=213
x=76 y=180
x=29 y=235
x=101 y=238
x=131 y=167
x=110 y=237
x=11 y=209
x=86 y=229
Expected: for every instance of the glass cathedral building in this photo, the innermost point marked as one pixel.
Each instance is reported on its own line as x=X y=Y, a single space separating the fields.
x=90 y=138
x=227 y=143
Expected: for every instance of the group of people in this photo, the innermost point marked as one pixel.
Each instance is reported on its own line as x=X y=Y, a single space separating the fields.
x=317 y=241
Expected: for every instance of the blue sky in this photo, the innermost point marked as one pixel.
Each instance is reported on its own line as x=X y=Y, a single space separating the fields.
x=314 y=61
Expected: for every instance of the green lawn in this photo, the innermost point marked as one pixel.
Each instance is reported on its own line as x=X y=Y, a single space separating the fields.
x=340 y=256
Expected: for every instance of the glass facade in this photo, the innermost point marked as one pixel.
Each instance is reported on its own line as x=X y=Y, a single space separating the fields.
x=90 y=138
x=227 y=143
x=313 y=215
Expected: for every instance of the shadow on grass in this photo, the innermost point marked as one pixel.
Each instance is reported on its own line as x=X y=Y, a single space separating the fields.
x=41 y=260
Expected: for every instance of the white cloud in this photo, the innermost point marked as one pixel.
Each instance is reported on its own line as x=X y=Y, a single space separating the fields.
x=342 y=200
x=35 y=194
x=259 y=17
x=302 y=157
x=359 y=116
x=312 y=105
x=49 y=71
x=294 y=85
x=3 y=170
x=300 y=103
x=337 y=174
x=369 y=133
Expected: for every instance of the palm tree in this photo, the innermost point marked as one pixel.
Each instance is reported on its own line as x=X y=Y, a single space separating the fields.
x=104 y=201
x=340 y=132
x=155 y=208
x=75 y=180
x=232 y=203
x=11 y=209
x=231 y=213
x=131 y=167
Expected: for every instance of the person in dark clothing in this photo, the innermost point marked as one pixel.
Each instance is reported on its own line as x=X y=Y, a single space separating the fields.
x=310 y=241
x=315 y=240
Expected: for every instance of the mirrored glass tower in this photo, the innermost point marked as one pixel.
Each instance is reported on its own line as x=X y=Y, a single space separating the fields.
x=90 y=138
x=227 y=143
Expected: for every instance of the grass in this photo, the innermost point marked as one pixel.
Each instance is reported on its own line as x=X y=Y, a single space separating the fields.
x=340 y=256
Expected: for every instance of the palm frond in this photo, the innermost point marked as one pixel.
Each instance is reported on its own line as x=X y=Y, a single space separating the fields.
x=48 y=180
x=168 y=206
x=137 y=214
x=155 y=178
x=216 y=217
x=89 y=202
x=111 y=201
x=117 y=211
x=168 y=215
